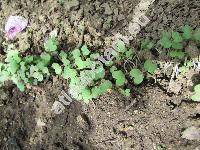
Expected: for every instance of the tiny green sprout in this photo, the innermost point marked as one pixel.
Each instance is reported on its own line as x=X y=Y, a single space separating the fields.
x=126 y=92
x=45 y=59
x=61 y=1
x=69 y=73
x=102 y=88
x=113 y=68
x=13 y=59
x=51 y=45
x=105 y=86
x=165 y=40
x=120 y=46
x=13 y=55
x=147 y=44
x=99 y=73
x=197 y=34
x=57 y=68
x=129 y=53
x=187 y=32
x=177 y=45
x=161 y=147
x=177 y=54
x=64 y=59
x=86 y=95
x=137 y=76
x=85 y=50
x=38 y=75
x=177 y=40
x=80 y=63
x=76 y=53
x=177 y=37
x=196 y=96
x=28 y=59
x=150 y=66
x=21 y=86
x=119 y=76
x=94 y=56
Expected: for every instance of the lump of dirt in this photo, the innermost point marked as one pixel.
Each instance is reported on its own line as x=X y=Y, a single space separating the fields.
x=192 y=133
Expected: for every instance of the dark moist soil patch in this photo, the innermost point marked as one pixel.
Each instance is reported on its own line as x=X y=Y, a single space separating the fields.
x=100 y=19
x=111 y=122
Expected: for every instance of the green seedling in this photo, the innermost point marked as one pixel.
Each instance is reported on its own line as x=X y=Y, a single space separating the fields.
x=147 y=44
x=126 y=92
x=85 y=50
x=161 y=147
x=120 y=46
x=177 y=40
x=150 y=66
x=24 y=70
x=177 y=54
x=129 y=53
x=187 y=32
x=196 y=96
x=165 y=40
x=88 y=76
x=57 y=68
x=196 y=34
x=51 y=45
x=119 y=76
x=137 y=76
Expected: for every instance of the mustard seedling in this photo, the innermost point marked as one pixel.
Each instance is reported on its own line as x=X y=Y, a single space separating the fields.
x=196 y=96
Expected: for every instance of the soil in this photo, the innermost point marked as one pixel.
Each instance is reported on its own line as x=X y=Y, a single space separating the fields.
x=153 y=118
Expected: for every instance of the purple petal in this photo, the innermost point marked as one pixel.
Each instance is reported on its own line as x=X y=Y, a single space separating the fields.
x=14 y=25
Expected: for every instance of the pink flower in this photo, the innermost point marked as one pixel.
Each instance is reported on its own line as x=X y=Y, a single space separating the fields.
x=14 y=25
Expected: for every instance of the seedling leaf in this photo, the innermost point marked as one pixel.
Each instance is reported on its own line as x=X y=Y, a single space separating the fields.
x=187 y=32
x=51 y=45
x=177 y=54
x=120 y=46
x=196 y=96
x=57 y=68
x=137 y=76
x=176 y=37
x=85 y=50
x=119 y=77
x=150 y=66
x=197 y=34
x=165 y=40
